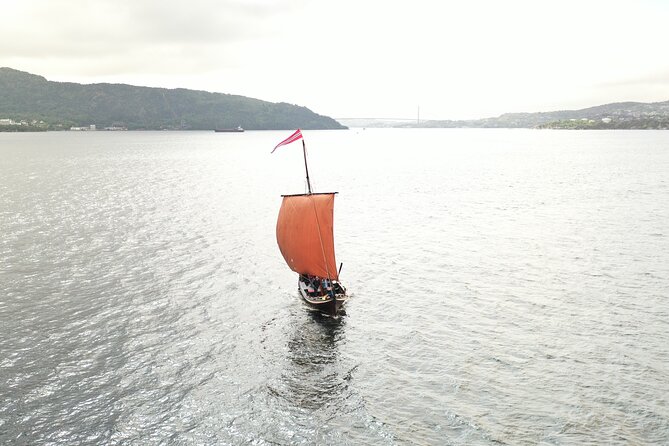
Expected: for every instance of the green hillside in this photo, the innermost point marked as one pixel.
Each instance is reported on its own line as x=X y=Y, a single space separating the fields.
x=619 y=115
x=31 y=98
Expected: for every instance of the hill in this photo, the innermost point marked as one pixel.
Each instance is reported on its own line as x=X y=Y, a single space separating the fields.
x=60 y=105
x=620 y=115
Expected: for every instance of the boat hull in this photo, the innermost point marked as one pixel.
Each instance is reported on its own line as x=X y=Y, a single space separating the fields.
x=323 y=302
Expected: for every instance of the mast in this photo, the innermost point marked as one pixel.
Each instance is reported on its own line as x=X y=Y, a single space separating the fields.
x=297 y=248
x=306 y=168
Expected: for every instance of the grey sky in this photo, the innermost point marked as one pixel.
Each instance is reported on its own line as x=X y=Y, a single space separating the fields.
x=355 y=58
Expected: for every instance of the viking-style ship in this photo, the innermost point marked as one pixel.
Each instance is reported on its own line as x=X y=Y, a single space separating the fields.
x=304 y=232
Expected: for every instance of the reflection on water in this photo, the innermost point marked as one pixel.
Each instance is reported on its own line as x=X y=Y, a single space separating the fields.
x=313 y=383
x=313 y=380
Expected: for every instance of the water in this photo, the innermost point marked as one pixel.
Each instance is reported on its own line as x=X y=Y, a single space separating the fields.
x=508 y=287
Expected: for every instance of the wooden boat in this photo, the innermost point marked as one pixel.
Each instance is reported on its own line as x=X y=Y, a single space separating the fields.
x=239 y=129
x=304 y=233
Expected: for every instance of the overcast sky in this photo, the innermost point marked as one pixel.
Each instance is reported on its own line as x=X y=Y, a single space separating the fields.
x=355 y=58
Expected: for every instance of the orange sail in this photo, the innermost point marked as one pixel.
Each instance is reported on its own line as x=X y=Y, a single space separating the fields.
x=305 y=235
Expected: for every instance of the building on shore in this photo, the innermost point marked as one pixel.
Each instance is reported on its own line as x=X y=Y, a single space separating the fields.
x=84 y=129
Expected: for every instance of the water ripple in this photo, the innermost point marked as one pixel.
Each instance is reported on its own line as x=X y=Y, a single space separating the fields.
x=512 y=290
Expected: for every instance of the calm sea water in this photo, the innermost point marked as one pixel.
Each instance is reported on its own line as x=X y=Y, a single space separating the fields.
x=508 y=287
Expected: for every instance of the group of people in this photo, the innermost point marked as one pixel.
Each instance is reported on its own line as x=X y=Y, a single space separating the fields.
x=317 y=285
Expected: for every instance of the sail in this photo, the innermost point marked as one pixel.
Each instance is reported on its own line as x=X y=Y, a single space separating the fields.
x=305 y=235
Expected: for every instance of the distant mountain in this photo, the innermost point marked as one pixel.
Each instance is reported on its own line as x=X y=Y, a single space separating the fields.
x=30 y=98
x=621 y=115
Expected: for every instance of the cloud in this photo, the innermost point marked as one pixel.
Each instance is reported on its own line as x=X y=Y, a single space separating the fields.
x=456 y=59
x=658 y=78
x=141 y=34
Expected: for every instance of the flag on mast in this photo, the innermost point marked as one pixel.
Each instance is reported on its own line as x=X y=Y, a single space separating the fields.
x=292 y=138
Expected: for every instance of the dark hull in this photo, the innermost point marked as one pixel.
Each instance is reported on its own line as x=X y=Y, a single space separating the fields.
x=229 y=130
x=324 y=302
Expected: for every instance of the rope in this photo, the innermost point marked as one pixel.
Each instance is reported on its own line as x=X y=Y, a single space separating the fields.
x=320 y=238
x=318 y=224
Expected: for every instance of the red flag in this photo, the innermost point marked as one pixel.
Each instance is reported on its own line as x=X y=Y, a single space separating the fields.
x=292 y=138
